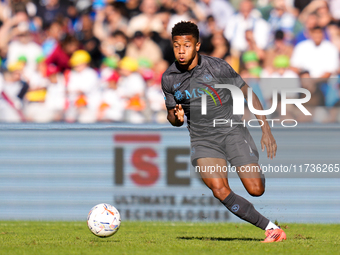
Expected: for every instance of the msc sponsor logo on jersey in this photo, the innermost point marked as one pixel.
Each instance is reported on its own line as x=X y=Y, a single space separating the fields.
x=197 y=92
x=177 y=85
x=178 y=95
x=186 y=94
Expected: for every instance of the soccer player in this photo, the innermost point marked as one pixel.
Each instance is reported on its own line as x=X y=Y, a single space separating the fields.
x=214 y=146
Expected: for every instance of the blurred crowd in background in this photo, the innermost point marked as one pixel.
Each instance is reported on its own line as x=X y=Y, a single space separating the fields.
x=102 y=61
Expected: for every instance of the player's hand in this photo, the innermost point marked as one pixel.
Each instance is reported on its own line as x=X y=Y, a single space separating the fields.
x=179 y=112
x=269 y=142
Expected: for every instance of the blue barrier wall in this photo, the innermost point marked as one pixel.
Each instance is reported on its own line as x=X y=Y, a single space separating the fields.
x=58 y=172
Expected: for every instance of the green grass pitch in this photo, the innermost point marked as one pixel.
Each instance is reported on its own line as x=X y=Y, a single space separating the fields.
x=34 y=237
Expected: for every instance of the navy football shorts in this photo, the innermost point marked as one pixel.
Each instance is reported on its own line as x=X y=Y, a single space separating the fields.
x=237 y=147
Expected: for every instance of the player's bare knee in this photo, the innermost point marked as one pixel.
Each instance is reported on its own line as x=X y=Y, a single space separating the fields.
x=221 y=192
x=256 y=190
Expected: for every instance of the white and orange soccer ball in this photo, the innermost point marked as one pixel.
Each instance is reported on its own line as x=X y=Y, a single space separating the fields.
x=103 y=220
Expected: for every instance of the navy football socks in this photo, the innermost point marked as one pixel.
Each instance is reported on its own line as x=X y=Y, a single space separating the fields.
x=245 y=210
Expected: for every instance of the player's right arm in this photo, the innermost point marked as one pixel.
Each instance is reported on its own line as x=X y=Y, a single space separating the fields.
x=175 y=111
x=176 y=116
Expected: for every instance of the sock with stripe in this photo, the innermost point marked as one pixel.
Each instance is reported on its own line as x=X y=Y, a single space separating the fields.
x=271 y=225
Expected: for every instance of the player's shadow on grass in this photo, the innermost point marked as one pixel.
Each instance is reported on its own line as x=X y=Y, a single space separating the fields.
x=206 y=238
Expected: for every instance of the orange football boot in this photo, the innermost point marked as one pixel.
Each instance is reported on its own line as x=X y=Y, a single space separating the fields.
x=274 y=235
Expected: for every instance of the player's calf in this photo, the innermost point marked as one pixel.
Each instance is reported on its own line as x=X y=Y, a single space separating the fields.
x=245 y=210
x=236 y=204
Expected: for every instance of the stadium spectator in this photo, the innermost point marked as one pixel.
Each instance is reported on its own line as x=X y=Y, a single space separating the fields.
x=15 y=6
x=311 y=22
x=107 y=70
x=252 y=45
x=334 y=34
x=56 y=94
x=221 y=48
x=89 y=42
x=109 y=20
x=219 y=9
x=146 y=21
x=324 y=15
x=73 y=23
x=115 y=45
x=12 y=94
x=325 y=19
x=185 y=10
x=321 y=9
x=162 y=38
x=51 y=10
x=301 y=4
x=252 y=67
x=39 y=72
x=54 y=35
x=112 y=105
x=61 y=55
x=16 y=40
x=131 y=88
x=280 y=47
x=318 y=56
x=241 y=22
x=155 y=96
x=35 y=97
x=281 y=66
x=82 y=89
x=141 y=47
x=132 y=8
x=206 y=33
x=281 y=19
x=208 y=28
x=35 y=108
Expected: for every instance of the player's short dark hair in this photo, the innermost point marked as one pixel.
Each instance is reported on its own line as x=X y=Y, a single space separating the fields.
x=185 y=28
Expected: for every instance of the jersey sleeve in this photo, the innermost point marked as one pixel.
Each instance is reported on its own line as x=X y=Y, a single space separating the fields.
x=228 y=74
x=170 y=102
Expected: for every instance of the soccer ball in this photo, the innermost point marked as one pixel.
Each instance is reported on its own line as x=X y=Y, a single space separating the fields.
x=103 y=220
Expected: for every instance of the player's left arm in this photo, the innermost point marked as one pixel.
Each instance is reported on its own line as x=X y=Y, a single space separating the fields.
x=267 y=139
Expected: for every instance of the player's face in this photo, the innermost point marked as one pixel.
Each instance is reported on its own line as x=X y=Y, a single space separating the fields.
x=185 y=48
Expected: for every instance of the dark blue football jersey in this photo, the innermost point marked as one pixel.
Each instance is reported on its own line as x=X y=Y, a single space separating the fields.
x=187 y=87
